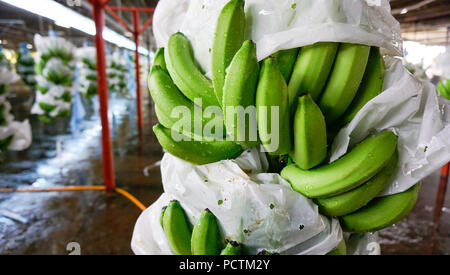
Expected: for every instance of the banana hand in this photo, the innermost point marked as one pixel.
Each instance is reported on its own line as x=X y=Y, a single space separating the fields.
x=350 y=171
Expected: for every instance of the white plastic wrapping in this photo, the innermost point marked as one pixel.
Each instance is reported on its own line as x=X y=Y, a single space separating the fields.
x=407 y=106
x=258 y=209
x=282 y=24
x=443 y=63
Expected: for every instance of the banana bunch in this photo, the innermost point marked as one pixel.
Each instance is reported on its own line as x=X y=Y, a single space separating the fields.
x=443 y=88
x=292 y=103
x=204 y=238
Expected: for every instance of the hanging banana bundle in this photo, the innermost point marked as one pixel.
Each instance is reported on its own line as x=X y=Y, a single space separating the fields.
x=25 y=66
x=291 y=104
x=14 y=135
x=87 y=71
x=54 y=68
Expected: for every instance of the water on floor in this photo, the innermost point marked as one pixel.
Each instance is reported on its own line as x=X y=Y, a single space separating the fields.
x=102 y=223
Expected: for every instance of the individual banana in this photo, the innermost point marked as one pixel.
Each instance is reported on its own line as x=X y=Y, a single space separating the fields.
x=341 y=249
x=286 y=59
x=206 y=235
x=181 y=65
x=232 y=248
x=350 y=171
x=381 y=212
x=371 y=85
x=161 y=217
x=167 y=98
x=443 y=88
x=353 y=200
x=272 y=107
x=239 y=95
x=228 y=39
x=196 y=152
x=177 y=228
x=310 y=134
x=311 y=70
x=344 y=80
x=159 y=60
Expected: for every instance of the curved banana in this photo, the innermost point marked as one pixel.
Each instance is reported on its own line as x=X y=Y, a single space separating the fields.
x=161 y=217
x=350 y=171
x=272 y=107
x=181 y=65
x=206 y=235
x=344 y=80
x=341 y=249
x=371 y=85
x=159 y=60
x=177 y=228
x=239 y=94
x=310 y=134
x=167 y=98
x=311 y=70
x=444 y=88
x=381 y=212
x=228 y=38
x=232 y=248
x=286 y=59
x=196 y=152
x=353 y=200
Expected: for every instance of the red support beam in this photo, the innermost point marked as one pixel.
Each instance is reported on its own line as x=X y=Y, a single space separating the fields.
x=107 y=156
x=137 y=31
x=117 y=17
x=138 y=74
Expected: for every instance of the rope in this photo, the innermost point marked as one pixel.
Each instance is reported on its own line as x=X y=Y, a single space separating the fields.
x=120 y=191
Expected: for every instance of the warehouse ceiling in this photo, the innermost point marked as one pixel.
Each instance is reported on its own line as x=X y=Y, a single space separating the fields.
x=426 y=21
x=17 y=26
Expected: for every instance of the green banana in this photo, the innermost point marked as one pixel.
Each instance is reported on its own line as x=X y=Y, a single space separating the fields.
x=177 y=228
x=381 y=212
x=167 y=97
x=341 y=249
x=181 y=65
x=159 y=60
x=371 y=85
x=206 y=235
x=232 y=248
x=161 y=217
x=196 y=152
x=311 y=70
x=286 y=59
x=444 y=89
x=239 y=93
x=353 y=200
x=310 y=134
x=228 y=38
x=272 y=92
x=350 y=171
x=344 y=80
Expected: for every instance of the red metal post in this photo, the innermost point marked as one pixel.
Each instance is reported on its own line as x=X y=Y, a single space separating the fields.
x=108 y=166
x=138 y=74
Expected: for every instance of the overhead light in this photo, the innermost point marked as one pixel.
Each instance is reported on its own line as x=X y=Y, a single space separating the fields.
x=71 y=19
x=62 y=24
x=29 y=46
x=128 y=34
x=403 y=11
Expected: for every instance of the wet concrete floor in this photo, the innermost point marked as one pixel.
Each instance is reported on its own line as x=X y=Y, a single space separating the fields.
x=103 y=223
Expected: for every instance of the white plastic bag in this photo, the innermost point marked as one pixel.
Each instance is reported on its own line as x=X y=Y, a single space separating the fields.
x=257 y=209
